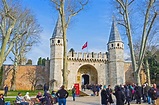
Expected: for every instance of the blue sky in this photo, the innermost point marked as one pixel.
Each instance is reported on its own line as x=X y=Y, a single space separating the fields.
x=93 y=24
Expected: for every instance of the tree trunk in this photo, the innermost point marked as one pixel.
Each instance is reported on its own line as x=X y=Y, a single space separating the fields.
x=137 y=75
x=13 y=80
x=65 y=78
x=148 y=72
x=131 y=46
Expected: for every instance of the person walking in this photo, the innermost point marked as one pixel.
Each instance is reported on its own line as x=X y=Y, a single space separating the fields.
x=5 y=90
x=104 y=96
x=94 y=89
x=127 y=95
x=138 y=94
x=73 y=93
x=46 y=87
x=120 y=96
x=110 y=91
x=62 y=94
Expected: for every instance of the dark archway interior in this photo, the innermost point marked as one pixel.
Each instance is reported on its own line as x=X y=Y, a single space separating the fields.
x=86 y=79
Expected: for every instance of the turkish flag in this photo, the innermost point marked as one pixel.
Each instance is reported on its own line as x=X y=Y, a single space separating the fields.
x=84 y=46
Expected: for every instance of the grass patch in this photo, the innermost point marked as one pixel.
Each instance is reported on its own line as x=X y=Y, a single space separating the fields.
x=31 y=93
x=34 y=93
x=10 y=100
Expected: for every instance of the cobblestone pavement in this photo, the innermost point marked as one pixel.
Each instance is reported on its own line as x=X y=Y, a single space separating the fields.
x=90 y=100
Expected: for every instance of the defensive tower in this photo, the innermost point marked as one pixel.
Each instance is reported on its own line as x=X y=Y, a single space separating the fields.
x=115 y=57
x=56 y=55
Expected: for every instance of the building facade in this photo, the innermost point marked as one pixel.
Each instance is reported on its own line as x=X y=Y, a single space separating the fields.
x=88 y=68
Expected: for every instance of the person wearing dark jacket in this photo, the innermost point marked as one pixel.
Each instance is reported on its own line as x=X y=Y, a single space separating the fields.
x=120 y=97
x=109 y=91
x=62 y=94
x=154 y=94
x=104 y=96
x=127 y=95
x=5 y=90
x=2 y=102
x=46 y=87
x=47 y=98
x=138 y=94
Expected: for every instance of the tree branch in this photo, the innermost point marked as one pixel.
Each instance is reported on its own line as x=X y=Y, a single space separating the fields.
x=73 y=13
x=122 y=24
x=131 y=2
x=56 y=3
x=144 y=28
x=121 y=4
x=13 y=41
x=151 y=24
x=7 y=10
x=146 y=34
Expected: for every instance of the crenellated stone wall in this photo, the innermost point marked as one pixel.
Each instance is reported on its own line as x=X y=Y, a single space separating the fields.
x=92 y=55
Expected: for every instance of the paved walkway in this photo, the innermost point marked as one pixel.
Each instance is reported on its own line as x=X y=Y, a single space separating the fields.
x=90 y=100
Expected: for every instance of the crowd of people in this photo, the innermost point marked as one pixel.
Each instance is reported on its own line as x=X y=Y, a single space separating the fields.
x=124 y=94
x=94 y=87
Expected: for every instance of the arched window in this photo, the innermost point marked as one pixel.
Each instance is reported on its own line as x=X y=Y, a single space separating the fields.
x=112 y=45
x=118 y=44
x=58 y=41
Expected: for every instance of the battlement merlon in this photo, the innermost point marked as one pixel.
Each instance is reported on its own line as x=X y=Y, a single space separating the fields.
x=89 y=55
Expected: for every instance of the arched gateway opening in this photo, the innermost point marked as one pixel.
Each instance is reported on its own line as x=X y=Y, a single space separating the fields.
x=87 y=74
x=85 y=79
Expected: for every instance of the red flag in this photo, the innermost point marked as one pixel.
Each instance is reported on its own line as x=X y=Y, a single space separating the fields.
x=84 y=46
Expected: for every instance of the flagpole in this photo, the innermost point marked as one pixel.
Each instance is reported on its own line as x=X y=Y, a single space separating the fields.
x=87 y=46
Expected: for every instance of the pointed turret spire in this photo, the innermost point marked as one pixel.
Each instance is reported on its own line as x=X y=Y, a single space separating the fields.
x=114 y=34
x=58 y=29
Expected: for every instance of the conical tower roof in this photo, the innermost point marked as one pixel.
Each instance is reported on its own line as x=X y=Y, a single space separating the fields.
x=58 y=29
x=114 y=33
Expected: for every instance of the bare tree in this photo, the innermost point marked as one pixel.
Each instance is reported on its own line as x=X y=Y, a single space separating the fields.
x=151 y=50
x=18 y=30
x=150 y=15
x=26 y=22
x=34 y=75
x=8 y=19
x=67 y=9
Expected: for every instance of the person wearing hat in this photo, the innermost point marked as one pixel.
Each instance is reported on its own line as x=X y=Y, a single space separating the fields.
x=62 y=94
x=20 y=99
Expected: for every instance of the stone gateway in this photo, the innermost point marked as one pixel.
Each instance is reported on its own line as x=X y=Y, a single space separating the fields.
x=88 y=68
